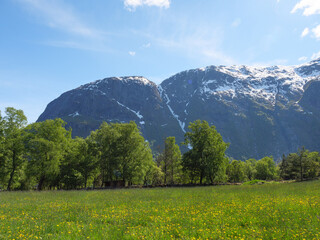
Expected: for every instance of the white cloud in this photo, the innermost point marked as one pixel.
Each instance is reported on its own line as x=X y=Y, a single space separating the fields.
x=305 y=32
x=147 y=45
x=315 y=55
x=131 y=5
x=131 y=53
x=236 y=22
x=309 y=7
x=316 y=32
x=303 y=58
x=82 y=45
x=61 y=16
x=201 y=43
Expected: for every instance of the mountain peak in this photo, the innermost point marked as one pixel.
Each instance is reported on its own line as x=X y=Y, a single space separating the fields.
x=136 y=79
x=317 y=60
x=260 y=110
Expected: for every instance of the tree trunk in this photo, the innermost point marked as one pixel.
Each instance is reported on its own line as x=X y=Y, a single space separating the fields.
x=165 y=173
x=13 y=170
x=40 y=185
x=172 y=181
x=301 y=172
x=211 y=179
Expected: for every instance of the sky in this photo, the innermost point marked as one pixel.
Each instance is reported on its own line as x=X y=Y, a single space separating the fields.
x=48 y=47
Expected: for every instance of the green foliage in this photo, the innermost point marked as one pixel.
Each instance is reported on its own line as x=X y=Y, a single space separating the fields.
x=301 y=165
x=124 y=154
x=255 y=181
x=265 y=169
x=207 y=153
x=250 y=168
x=236 y=171
x=47 y=145
x=12 y=147
x=80 y=163
x=170 y=161
x=153 y=176
x=43 y=154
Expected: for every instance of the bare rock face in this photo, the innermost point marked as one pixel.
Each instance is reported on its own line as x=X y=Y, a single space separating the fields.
x=261 y=111
x=117 y=99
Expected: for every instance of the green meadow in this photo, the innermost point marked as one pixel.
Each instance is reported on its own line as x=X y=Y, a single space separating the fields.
x=267 y=211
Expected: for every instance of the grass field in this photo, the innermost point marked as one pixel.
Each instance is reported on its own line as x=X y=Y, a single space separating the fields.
x=269 y=211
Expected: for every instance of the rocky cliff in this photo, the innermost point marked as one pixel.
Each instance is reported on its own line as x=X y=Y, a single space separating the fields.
x=260 y=110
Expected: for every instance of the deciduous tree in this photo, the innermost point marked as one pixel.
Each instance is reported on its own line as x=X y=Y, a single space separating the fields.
x=47 y=145
x=171 y=161
x=12 y=144
x=265 y=169
x=207 y=152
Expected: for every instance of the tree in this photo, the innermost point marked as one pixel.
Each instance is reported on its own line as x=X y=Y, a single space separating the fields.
x=88 y=159
x=250 y=168
x=47 y=143
x=301 y=165
x=12 y=144
x=265 y=169
x=124 y=154
x=2 y=160
x=287 y=166
x=207 y=152
x=105 y=139
x=236 y=171
x=313 y=165
x=132 y=153
x=171 y=160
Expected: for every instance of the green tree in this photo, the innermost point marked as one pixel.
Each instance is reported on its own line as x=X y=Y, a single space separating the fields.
x=47 y=143
x=69 y=177
x=12 y=146
x=105 y=139
x=133 y=153
x=313 y=165
x=124 y=154
x=250 y=168
x=88 y=159
x=171 y=161
x=2 y=160
x=265 y=169
x=287 y=166
x=207 y=152
x=236 y=171
x=301 y=165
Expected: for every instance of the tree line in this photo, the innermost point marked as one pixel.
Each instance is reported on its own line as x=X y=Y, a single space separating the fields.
x=43 y=155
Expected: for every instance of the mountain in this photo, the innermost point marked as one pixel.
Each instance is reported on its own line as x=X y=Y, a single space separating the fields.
x=261 y=111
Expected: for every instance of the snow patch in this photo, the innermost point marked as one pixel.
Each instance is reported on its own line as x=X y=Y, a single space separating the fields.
x=181 y=124
x=74 y=114
x=264 y=83
x=136 y=113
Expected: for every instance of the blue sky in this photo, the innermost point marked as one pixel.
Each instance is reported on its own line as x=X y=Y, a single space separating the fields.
x=48 y=47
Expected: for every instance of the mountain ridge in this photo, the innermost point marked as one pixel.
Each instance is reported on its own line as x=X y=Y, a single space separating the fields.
x=250 y=106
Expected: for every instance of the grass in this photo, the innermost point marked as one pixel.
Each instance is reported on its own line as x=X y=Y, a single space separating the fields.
x=268 y=211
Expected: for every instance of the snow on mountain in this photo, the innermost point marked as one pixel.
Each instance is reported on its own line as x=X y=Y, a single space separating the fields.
x=260 y=110
x=130 y=79
x=257 y=82
x=135 y=112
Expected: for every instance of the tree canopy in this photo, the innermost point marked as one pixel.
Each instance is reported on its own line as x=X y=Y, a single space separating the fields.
x=207 y=151
x=43 y=155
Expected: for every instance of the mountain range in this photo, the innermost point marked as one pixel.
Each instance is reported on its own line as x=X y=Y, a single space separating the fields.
x=260 y=111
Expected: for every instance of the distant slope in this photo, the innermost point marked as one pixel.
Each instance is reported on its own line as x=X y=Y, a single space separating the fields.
x=259 y=110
